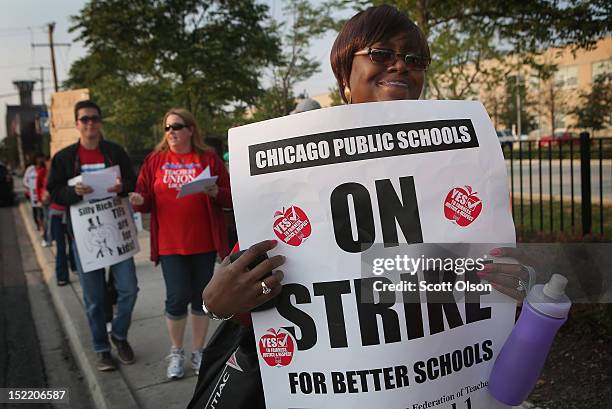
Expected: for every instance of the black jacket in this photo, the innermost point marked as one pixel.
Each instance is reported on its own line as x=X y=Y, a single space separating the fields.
x=66 y=165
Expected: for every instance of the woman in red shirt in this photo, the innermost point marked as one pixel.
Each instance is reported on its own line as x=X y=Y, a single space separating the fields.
x=187 y=233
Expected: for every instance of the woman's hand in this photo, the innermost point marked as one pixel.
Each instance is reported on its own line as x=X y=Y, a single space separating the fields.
x=212 y=191
x=81 y=189
x=234 y=289
x=136 y=199
x=514 y=280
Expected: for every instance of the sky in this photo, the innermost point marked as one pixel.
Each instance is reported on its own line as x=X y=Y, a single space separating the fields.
x=25 y=22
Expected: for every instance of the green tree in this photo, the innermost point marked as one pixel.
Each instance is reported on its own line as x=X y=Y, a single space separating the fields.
x=305 y=23
x=463 y=34
x=146 y=56
x=554 y=99
x=594 y=110
x=510 y=106
x=334 y=95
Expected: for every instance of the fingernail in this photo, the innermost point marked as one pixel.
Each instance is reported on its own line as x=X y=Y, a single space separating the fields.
x=487 y=268
x=495 y=252
x=485 y=271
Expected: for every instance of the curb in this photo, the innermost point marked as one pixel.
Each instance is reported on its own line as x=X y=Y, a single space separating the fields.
x=108 y=390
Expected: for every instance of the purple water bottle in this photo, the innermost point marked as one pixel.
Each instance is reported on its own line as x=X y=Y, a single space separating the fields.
x=522 y=357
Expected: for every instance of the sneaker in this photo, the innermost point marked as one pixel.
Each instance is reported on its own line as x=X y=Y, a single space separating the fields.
x=104 y=361
x=196 y=360
x=124 y=350
x=45 y=243
x=175 y=363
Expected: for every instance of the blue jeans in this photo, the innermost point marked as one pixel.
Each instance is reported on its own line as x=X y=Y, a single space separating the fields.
x=59 y=235
x=94 y=290
x=185 y=277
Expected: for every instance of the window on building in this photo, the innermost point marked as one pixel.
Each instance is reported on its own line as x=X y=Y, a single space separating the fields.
x=566 y=77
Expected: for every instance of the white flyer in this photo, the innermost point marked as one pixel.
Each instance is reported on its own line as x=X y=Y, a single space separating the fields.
x=333 y=185
x=100 y=181
x=104 y=231
x=198 y=184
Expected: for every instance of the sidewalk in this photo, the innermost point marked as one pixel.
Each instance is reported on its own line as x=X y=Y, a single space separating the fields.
x=144 y=383
x=140 y=385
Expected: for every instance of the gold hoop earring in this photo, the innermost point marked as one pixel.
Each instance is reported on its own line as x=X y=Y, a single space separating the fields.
x=347 y=94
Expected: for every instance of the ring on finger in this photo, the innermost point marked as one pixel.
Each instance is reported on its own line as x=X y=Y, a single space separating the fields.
x=265 y=290
x=522 y=286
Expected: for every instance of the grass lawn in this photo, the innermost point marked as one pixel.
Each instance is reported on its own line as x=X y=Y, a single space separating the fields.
x=541 y=227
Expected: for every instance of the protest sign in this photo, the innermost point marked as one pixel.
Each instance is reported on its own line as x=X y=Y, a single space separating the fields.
x=104 y=232
x=31 y=181
x=331 y=183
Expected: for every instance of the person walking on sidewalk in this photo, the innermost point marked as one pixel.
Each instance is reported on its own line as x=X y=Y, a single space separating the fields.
x=55 y=228
x=91 y=153
x=42 y=197
x=187 y=232
x=29 y=182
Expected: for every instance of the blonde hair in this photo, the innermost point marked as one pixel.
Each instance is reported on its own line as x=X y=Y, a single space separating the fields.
x=197 y=141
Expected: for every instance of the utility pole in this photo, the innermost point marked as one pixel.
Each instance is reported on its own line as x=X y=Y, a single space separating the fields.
x=51 y=28
x=52 y=46
x=42 y=82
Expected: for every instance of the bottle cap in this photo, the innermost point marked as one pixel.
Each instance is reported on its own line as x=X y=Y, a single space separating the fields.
x=555 y=288
x=550 y=299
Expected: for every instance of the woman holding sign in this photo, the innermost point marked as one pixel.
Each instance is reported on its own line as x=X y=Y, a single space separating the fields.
x=186 y=232
x=379 y=55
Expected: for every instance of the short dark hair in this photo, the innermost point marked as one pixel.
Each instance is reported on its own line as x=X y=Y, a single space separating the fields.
x=366 y=28
x=85 y=104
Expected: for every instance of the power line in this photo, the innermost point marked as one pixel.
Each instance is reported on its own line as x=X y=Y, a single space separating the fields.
x=14 y=94
x=26 y=28
x=6 y=67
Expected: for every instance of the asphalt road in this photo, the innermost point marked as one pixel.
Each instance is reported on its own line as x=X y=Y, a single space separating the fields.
x=560 y=177
x=33 y=350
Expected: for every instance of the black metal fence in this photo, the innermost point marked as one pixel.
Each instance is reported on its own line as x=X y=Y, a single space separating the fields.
x=561 y=185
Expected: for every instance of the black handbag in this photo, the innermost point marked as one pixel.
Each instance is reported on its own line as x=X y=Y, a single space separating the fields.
x=229 y=374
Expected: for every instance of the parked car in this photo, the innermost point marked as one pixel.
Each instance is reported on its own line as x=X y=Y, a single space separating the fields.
x=505 y=137
x=7 y=193
x=559 y=138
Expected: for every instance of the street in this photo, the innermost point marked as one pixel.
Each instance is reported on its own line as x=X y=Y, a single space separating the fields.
x=566 y=174
x=34 y=352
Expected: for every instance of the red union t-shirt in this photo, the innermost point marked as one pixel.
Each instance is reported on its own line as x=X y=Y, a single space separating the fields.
x=184 y=226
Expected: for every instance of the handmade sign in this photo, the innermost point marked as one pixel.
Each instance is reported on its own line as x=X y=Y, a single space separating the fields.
x=337 y=184
x=105 y=232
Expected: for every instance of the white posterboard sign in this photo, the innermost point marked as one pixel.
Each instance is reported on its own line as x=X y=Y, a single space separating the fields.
x=104 y=231
x=321 y=183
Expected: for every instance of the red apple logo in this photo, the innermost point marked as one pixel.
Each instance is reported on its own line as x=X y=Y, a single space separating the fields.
x=462 y=205
x=276 y=347
x=292 y=225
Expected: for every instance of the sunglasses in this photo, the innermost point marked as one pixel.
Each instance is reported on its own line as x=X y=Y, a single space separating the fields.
x=87 y=119
x=386 y=57
x=174 y=127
